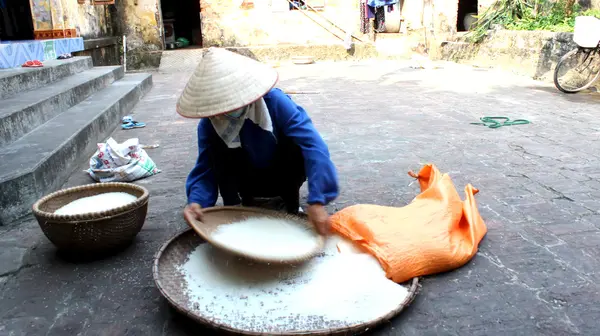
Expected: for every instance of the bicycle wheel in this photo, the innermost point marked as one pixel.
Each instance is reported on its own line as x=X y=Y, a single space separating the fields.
x=577 y=70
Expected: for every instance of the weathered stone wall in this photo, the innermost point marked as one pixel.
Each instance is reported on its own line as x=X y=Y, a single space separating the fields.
x=422 y=14
x=268 y=22
x=594 y=4
x=226 y=23
x=90 y=21
x=427 y=21
x=104 y=51
x=140 y=21
x=531 y=53
x=445 y=15
x=484 y=4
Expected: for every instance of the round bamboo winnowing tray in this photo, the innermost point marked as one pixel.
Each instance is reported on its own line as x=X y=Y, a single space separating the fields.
x=218 y=216
x=172 y=282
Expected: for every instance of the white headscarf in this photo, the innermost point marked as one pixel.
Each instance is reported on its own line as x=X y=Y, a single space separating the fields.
x=228 y=126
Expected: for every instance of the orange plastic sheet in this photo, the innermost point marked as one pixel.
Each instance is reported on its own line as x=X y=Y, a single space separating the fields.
x=436 y=232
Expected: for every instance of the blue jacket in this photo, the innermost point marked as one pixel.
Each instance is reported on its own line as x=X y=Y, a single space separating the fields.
x=288 y=119
x=381 y=3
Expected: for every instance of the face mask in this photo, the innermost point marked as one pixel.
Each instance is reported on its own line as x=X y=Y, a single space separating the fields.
x=236 y=114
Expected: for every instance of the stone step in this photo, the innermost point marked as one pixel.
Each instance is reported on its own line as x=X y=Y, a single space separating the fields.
x=22 y=113
x=41 y=161
x=14 y=81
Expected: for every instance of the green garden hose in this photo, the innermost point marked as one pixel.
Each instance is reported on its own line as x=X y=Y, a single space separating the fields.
x=497 y=122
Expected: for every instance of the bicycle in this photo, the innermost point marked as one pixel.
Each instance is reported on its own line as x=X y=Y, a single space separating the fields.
x=579 y=69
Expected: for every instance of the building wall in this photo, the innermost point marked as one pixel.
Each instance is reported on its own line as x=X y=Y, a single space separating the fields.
x=90 y=21
x=137 y=19
x=439 y=16
x=530 y=53
x=85 y=20
x=595 y=4
x=233 y=23
x=445 y=15
x=140 y=21
x=103 y=51
x=485 y=4
x=226 y=23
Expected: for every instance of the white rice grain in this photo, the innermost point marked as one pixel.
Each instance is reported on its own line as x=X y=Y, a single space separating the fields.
x=268 y=238
x=331 y=291
x=100 y=202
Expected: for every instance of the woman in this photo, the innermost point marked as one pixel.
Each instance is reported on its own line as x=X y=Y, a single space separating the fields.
x=253 y=141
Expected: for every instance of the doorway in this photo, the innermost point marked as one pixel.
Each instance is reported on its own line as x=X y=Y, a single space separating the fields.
x=467 y=10
x=16 y=23
x=181 y=19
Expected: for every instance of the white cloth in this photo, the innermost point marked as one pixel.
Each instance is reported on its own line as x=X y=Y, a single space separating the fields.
x=228 y=128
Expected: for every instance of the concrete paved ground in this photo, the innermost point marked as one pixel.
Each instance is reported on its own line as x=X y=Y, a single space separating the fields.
x=537 y=269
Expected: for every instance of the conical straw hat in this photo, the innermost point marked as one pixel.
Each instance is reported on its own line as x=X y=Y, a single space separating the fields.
x=223 y=82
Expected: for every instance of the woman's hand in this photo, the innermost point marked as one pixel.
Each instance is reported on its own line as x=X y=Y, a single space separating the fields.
x=192 y=213
x=318 y=216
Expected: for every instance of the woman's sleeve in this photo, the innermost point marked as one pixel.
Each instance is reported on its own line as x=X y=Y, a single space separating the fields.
x=294 y=122
x=201 y=186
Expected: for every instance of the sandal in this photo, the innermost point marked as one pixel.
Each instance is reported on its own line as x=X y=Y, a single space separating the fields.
x=132 y=125
x=32 y=64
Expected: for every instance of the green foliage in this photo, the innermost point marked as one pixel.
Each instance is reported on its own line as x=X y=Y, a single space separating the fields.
x=528 y=15
x=501 y=12
x=591 y=12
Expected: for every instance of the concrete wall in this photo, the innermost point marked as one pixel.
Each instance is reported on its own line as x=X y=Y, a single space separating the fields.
x=266 y=22
x=59 y=16
x=418 y=14
x=140 y=21
x=594 y=4
x=445 y=15
x=434 y=18
x=225 y=23
x=484 y=4
x=427 y=21
x=89 y=20
x=530 y=53
x=104 y=51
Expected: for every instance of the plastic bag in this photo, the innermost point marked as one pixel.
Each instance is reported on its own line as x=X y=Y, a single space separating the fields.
x=436 y=232
x=125 y=162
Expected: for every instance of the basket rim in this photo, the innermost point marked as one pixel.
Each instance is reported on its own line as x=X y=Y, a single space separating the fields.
x=91 y=216
x=413 y=290
x=197 y=227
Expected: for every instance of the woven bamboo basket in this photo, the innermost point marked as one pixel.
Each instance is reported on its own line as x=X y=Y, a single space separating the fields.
x=217 y=216
x=94 y=232
x=171 y=284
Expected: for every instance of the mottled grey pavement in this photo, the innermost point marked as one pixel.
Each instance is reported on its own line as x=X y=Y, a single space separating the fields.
x=537 y=269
